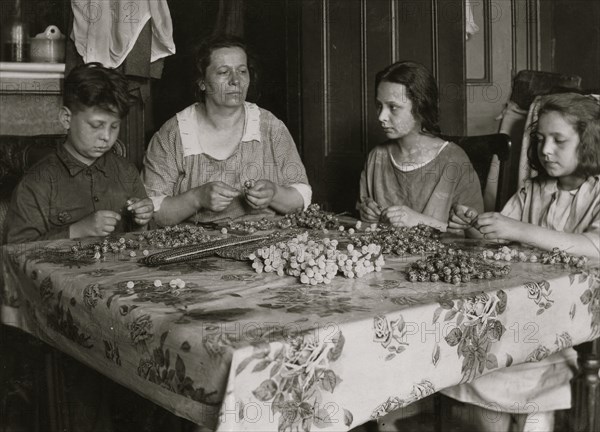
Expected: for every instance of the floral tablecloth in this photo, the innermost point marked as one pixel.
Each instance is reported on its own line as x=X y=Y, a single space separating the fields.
x=237 y=350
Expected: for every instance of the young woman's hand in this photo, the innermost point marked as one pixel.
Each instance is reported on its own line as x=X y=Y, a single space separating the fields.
x=368 y=210
x=142 y=210
x=461 y=217
x=216 y=196
x=261 y=194
x=497 y=226
x=99 y=223
x=403 y=216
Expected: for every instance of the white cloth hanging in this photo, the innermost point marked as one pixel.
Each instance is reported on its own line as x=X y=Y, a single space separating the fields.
x=106 y=31
x=470 y=27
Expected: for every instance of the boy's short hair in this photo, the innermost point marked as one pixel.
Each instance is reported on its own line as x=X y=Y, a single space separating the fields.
x=93 y=85
x=583 y=113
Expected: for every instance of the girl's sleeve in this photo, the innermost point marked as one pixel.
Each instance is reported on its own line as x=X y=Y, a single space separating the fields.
x=516 y=204
x=592 y=232
x=291 y=169
x=468 y=190
x=160 y=173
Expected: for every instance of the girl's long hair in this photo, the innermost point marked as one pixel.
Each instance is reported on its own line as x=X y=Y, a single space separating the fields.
x=583 y=113
x=421 y=88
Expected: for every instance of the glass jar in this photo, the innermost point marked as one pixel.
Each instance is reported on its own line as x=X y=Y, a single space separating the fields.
x=15 y=37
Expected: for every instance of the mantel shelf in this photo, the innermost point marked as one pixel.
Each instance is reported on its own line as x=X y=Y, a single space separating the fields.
x=40 y=78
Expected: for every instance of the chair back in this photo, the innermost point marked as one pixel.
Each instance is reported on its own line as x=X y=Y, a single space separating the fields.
x=492 y=172
x=528 y=84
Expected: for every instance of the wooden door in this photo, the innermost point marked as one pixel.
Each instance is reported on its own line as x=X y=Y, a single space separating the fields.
x=344 y=44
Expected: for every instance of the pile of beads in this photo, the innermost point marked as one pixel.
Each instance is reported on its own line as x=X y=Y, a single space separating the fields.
x=100 y=250
x=315 y=262
x=415 y=240
x=250 y=227
x=557 y=256
x=454 y=266
x=312 y=218
x=505 y=253
x=175 y=236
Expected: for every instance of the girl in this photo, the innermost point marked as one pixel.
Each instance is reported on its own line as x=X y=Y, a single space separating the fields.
x=558 y=208
x=415 y=176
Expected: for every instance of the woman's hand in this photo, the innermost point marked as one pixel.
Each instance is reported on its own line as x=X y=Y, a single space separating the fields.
x=261 y=194
x=142 y=210
x=216 y=196
x=497 y=226
x=368 y=210
x=461 y=217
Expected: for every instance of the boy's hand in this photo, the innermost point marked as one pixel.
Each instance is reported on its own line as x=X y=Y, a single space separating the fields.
x=462 y=217
x=368 y=210
x=142 y=210
x=261 y=194
x=216 y=196
x=100 y=223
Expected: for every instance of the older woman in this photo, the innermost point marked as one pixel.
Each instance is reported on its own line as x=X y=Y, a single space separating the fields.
x=415 y=176
x=223 y=157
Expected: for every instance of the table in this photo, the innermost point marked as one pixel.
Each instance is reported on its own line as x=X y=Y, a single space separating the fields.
x=237 y=350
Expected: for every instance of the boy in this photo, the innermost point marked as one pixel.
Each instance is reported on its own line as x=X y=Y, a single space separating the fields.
x=83 y=188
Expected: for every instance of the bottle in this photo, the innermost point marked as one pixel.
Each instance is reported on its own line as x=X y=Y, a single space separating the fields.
x=15 y=37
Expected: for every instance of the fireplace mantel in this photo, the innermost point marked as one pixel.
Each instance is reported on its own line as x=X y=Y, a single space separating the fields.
x=30 y=98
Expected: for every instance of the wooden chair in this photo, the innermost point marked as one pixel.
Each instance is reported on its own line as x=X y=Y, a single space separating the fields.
x=481 y=150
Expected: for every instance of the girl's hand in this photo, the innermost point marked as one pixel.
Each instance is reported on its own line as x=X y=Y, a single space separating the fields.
x=261 y=194
x=216 y=196
x=369 y=210
x=461 y=217
x=142 y=210
x=496 y=226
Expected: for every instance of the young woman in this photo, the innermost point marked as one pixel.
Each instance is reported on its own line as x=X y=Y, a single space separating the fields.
x=415 y=176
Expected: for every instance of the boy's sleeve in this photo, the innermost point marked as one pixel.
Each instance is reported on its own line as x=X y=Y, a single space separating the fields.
x=138 y=190
x=28 y=214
